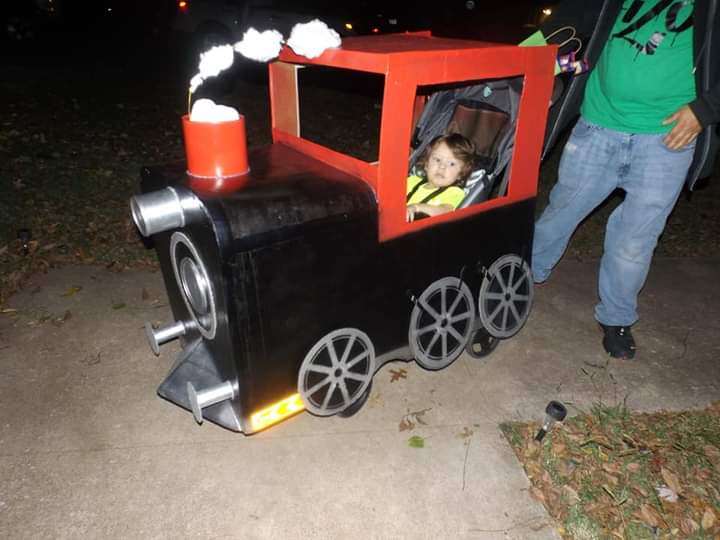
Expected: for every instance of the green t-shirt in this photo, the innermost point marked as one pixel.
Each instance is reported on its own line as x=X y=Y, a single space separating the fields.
x=453 y=195
x=645 y=72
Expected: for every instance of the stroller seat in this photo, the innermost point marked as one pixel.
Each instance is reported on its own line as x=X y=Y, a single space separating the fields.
x=484 y=113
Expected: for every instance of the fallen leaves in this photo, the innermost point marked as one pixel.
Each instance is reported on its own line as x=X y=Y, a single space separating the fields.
x=671 y=480
x=612 y=474
x=648 y=515
x=708 y=519
x=72 y=291
x=688 y=525
x=667 y=494
x=713 y=455
x=416 y=442
x=397 y=374
x=571 y=495
x=411 y=419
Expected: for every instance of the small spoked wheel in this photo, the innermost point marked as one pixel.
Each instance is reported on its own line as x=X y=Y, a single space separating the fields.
x=505 y=297
x=355 y=407
x=481 y=343
x=441 y=323
x=336 y=373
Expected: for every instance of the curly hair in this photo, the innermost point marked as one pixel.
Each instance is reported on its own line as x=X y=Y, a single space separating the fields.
x=461 y=147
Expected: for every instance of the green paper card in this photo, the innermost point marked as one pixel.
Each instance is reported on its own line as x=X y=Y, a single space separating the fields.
x=537 y=40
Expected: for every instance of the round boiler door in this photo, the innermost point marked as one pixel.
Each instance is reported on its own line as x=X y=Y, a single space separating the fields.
x=194 y=285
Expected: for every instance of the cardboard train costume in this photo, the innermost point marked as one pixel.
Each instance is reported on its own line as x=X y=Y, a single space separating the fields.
x=291 y=285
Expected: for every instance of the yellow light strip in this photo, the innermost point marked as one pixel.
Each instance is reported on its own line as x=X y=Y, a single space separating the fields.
x=276 y=412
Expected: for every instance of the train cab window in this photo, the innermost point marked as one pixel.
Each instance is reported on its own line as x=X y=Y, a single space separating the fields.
x=470 y=128
x=341 y=110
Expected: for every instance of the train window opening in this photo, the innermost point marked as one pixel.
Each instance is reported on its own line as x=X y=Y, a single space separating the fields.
x=462 y=145
x=341 y=109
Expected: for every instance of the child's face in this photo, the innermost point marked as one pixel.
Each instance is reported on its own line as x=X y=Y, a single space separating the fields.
x=443 y=168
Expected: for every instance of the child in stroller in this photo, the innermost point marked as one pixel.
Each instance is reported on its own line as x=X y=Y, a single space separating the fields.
x=484 y=114
x=444 y=165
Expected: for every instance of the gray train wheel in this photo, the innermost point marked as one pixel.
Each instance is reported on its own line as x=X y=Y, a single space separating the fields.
x=441 y=323
x=505 y=297
x=336 y=372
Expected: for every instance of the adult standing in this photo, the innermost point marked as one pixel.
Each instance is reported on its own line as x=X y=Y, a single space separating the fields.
x=648 y=114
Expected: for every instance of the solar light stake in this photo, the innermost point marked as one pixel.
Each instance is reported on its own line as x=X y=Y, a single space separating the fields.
x=554 y=412
x=24 y=235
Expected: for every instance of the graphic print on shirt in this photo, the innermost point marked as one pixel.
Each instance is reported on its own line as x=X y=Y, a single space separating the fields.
x=678 y=18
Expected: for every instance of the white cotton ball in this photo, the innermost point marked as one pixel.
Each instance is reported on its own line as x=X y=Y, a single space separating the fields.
x=311 y=39
x=195 y=82
x=201 y=109
x=260 y=46
x=226 y=114
x=206 y=110
x=217 y=59
x=212 y=63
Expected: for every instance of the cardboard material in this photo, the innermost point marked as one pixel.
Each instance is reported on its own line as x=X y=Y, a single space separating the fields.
x=537 y=39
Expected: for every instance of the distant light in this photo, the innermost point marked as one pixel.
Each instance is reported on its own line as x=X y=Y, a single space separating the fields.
x=547 y=11
x=375 y=30
x=182 y=4
x=109 y=9
x=348 y=26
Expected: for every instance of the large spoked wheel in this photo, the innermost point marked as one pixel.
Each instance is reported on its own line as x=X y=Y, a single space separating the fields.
x=336 y=373
x=481 y=344
x=441 y=323
x=505 y=297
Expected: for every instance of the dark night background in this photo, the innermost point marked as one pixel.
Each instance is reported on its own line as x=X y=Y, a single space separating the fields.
x=93 y=90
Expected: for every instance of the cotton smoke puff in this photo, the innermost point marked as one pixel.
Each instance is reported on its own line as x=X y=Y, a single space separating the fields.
x=206 y=110
x=311 y=39
x=212 y=63
x=260 y=46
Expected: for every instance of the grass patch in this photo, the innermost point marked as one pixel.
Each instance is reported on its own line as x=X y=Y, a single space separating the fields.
x=610 y=474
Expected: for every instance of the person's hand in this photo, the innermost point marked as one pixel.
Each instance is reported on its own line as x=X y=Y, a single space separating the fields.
x=410 y=213
x=685 y=130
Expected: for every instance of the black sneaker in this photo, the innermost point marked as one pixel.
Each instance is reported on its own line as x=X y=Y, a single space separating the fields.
x=618 y=341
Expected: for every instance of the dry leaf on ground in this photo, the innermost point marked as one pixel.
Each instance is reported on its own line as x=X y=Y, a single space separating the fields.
x=708 y=519
x=71 y=291
x=648 y=515
x=689 y=525
x=671 y=480
x=667 y=494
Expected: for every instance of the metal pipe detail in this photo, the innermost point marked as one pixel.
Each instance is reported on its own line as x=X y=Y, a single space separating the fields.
x=199 y=399
x=159 y=336
x=162 y=210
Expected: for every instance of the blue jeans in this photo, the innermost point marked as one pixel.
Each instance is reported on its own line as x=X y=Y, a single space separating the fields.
x=594 y=163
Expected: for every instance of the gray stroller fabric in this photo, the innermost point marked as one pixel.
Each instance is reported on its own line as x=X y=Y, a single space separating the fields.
x=450 y=111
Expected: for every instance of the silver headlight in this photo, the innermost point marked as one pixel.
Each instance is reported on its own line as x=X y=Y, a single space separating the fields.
x=195 y=286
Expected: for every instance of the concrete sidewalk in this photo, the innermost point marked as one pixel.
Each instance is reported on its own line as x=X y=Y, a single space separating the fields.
x=87 y=449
